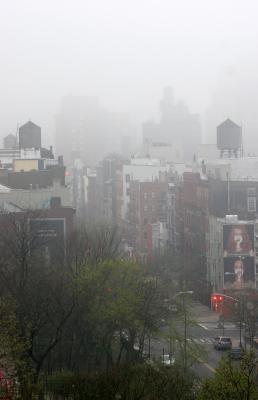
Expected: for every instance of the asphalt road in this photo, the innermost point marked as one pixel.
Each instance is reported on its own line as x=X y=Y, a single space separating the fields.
x=199 y=340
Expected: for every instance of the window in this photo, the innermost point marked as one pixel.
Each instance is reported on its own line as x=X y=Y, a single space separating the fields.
x=145 y=195
x=251 y=204
x=145 y=208
x=127 y=192
x=251 y=192
x=153 y=195
x=127 y=177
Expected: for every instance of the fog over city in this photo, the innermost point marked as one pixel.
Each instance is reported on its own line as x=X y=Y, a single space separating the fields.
x=124 y=53
x=129 y=199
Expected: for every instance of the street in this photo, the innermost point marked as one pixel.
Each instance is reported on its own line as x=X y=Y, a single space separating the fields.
x=199 y=339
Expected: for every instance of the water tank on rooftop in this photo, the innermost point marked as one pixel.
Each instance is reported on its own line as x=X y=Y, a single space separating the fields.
x=229 y=139
x=30 y=136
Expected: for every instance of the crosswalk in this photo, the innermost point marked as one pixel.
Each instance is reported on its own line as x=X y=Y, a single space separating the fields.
x=202 y=341
x=214 y=325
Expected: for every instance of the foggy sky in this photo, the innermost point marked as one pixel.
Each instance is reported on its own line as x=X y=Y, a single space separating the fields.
x=125 y=52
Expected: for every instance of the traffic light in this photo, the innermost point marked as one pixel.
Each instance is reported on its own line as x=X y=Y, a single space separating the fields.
x=217 y=298
x=217 y=301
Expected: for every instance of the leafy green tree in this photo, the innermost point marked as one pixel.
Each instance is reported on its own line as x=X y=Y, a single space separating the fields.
x=13 y=357
x=128 y=382
x=232 y=382
x=180 y=325
x=40 y=291
x=117 y=305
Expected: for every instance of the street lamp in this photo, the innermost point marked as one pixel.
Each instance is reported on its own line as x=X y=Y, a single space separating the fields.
x=185 y=323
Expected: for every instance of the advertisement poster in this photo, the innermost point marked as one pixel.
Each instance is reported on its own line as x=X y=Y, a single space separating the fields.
x=238 y=239
x=49 y=234
x=239 y=272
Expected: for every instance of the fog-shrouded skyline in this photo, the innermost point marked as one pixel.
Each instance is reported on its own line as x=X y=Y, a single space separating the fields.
x=124 y=53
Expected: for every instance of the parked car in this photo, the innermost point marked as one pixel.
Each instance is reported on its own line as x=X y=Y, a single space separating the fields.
x=168 y=360
x=222 y=343
x=236 y=353
x=173 y=308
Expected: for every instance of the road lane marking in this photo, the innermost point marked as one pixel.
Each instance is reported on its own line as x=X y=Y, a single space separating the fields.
x=206 y=365
x=204 y=327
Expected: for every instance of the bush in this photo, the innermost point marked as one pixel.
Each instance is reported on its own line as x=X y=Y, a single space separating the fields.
x=142 y=382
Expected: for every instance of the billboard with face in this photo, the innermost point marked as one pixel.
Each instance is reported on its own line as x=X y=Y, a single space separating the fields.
x=239 y=272
x=238 y=239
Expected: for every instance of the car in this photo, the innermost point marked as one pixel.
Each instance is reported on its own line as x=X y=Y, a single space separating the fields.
x=236 y=353
x=222 y=343
x=173 y=308
x=168 y=360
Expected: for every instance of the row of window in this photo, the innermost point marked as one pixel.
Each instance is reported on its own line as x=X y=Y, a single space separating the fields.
x=251 y=204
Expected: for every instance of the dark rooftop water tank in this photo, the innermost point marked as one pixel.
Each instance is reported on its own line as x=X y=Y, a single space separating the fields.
x=30 y=136
x=229 y=136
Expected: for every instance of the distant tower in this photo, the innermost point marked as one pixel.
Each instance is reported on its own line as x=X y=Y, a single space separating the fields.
x=167 y=104
x=229 y=139
x=10 y=142
x=30 y=136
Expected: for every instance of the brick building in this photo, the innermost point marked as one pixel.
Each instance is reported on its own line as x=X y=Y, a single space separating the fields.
x=147 y=205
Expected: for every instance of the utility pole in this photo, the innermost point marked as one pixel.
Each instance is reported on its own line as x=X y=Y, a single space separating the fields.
x=185 y=326
x=185 y=332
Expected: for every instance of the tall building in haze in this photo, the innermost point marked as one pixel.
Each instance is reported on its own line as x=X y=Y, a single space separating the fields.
x=84 y=127
x=177 y=127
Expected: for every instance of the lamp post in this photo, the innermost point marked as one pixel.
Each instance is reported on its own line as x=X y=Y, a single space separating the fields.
x=185 y=324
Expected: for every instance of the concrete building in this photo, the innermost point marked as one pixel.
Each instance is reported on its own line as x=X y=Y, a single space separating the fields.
x=157 y=239
x=232 y=255
x=207 y=152
x=177 y=126
x=10 y=142
x=162 y=151
x=30 y=175
x=141 y=170
x=34 y=198
x=48 y=229
x=88 y=128
x=233 y=197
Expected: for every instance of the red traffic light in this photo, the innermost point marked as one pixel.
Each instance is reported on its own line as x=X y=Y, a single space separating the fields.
x=217 y=298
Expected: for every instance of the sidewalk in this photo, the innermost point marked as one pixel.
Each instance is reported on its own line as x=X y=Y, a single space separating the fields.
x=210 y=319
x=203 y=313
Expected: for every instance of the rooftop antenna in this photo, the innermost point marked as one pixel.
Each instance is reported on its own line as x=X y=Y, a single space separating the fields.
x=228 y=194
x=242 y=145
x=17 y=133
